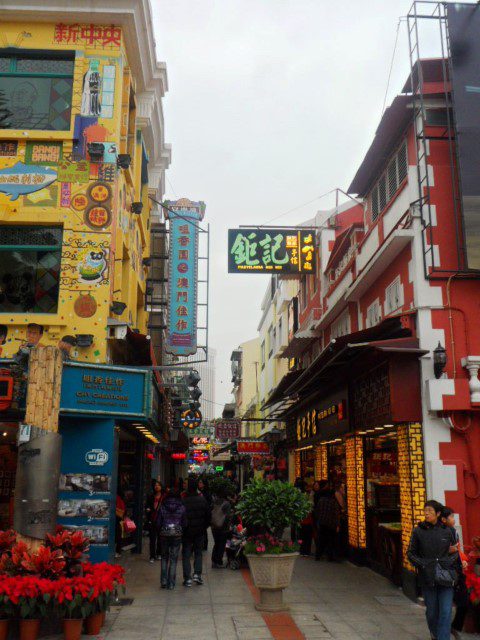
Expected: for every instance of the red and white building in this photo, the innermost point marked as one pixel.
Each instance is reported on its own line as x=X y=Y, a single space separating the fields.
x=361 y=401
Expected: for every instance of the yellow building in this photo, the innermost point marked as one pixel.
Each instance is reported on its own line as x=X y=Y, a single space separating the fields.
x=245 y=377
x=81 y=150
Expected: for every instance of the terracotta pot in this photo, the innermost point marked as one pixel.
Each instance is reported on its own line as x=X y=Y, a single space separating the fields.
x=72 y=628
x=271 y=574
x=4 y=628
x=104 y=615
x=29 y=629
x=94 y=624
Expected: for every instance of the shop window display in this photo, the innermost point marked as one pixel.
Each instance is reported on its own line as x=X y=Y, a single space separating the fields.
x=29 y=269
x=35 y=92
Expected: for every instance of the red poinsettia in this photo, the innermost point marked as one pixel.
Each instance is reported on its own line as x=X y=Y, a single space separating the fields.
x=45 y=562
x=7 y=540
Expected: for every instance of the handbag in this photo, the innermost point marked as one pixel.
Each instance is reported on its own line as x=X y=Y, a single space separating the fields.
x=129 y=525
x=444 y=577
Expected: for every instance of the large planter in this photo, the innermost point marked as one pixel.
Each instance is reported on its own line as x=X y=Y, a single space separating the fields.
x=29 y=629
x=4 y=628
x=94 y=624
x=271 y=574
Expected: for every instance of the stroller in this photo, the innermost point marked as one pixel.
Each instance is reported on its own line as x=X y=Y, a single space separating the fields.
x=235 y=545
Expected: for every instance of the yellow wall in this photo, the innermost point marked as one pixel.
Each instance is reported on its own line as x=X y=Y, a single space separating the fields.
x=120 y=240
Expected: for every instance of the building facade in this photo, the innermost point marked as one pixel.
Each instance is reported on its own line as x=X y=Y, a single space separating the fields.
x=245 y=371
x=82 y=160
x=383 y=395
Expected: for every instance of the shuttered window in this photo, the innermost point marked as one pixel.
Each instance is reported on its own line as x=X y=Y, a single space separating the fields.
x=389 y=183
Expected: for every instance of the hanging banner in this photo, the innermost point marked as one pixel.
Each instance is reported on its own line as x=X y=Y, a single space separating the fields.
x=257 y=250
x=253 y=447
x=184 y=217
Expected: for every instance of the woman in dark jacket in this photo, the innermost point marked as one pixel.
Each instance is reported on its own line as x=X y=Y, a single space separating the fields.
x=432 y=552
x=205 y=491
x=154 y=502
x=171 y=522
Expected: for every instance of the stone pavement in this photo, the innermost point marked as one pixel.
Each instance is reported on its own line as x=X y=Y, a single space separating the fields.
x=327 y=601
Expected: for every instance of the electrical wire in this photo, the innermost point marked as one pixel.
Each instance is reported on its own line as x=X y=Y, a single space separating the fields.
x=178 y=215
x=391 y=65
x=300 y=206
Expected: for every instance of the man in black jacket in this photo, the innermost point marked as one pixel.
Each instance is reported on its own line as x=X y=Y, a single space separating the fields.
x=433 y=553
x=198 y=520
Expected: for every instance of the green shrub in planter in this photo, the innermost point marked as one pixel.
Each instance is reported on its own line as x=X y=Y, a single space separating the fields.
x=272 y=505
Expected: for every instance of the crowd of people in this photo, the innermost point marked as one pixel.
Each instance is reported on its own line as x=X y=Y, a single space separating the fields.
x=178 y=518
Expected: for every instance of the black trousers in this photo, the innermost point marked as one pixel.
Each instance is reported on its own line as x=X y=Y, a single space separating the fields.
x=220 y=541
x=461 y=600
x=325 y=542
x=155 y=546
x=306 y=533
x=192 y=546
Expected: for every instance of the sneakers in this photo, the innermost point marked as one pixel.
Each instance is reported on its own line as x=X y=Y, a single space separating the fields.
x=163 y=585
x=187 y=583
x=197 y=579
x=152 y=560
x=216 y=565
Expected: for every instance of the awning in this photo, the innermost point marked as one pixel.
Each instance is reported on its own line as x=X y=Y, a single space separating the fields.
x=343 y=349
x=300 y=341
x=278 y=393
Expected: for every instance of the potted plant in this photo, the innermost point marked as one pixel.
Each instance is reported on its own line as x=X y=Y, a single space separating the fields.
x=33 y=604
x=270 y=507
x=73 y=603
x=223 y=487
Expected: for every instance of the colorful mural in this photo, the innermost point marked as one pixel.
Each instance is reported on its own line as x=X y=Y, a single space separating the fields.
x=64 y=179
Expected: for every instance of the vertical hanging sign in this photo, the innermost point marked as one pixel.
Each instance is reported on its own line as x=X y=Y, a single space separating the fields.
x=184 y=217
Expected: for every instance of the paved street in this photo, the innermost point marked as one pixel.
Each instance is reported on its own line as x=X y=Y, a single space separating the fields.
x=329 y=601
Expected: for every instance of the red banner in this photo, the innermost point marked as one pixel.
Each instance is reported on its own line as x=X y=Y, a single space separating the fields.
x=253 y=447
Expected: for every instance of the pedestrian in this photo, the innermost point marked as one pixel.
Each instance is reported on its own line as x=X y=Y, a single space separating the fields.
x=342 y=536
x=154 y=502
x=171 y=521
x=198 y=519
x=205 y=491
x=119 y=517
x=306 y=527
x=460 y=596
x=220 y=524
x=430 y=551
x=326 y=517
x=316 y=491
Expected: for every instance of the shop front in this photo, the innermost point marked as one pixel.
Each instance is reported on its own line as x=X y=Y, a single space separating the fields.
x=367 y=435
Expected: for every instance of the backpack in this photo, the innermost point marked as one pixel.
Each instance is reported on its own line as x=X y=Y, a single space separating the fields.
x=218 y=516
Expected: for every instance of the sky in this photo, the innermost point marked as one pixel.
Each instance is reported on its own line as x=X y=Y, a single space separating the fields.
x=271 y=103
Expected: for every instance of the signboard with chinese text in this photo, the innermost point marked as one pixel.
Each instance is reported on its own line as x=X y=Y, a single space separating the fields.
x=184 y=217
x=257 y=250
x=256 y=447
x=227 y=429
x=324 y=419
x=113 y=391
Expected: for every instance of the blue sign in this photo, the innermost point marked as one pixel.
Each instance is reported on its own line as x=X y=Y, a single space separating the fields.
x=106 y=391
x=22 y=179
x=184 y=216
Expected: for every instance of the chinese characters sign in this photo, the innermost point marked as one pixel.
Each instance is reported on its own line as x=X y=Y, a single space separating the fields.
x=256 y=250
x=308 y=424
x=184 y=217
x=227 y=429
x=90 y=35
x=256 y=447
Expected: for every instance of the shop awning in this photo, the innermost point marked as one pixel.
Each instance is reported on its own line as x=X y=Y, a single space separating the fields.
x=279 y=392
x=389 y=335
x=300 y=341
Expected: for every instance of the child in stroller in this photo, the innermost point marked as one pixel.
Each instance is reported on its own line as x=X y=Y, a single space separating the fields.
x=235 y=545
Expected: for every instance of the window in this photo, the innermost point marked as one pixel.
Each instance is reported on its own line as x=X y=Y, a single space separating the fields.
x=280 y=332
x=262 y=354
x=271 y=341
x=394 y=296
x=374 y=314
x=303 y=291
x=35 y=90
x=389 y=183
x=30 y=260
x=341 y=326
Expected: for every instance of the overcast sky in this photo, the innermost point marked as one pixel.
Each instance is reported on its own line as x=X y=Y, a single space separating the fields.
x=271 y=103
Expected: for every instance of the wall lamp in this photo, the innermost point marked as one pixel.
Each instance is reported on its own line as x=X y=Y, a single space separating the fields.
x=124 y=160
x=118 y=307
x=96 y=151
x=439 y=360
x=84 y=339
x=147 y=262
x=136 y=207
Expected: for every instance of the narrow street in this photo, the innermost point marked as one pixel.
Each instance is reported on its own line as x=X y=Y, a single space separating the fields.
x=327 y=600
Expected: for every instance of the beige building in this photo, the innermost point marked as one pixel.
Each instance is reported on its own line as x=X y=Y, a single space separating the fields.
x=245 y=371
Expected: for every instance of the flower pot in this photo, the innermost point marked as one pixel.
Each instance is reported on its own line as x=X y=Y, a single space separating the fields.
x=4 y=628
x=72 y=628
x=29 y=629
x=104 y=615
x=94 y=624
x=271 y=574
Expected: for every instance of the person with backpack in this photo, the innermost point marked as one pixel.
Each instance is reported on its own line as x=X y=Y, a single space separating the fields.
x=432 y=553
x=171 y=522
x=198 y=519
x=220 y=524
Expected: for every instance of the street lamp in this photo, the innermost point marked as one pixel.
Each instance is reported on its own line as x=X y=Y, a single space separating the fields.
x=439 y=360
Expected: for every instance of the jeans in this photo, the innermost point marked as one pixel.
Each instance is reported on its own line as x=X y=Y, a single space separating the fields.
x=220 y=540
x=170 y=550
x=438 y=601
x=192 y=545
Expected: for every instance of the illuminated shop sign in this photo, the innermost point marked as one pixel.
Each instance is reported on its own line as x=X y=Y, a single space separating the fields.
x=184 y=217
x=255 y=250
x=309 y=423
x=253 y=447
